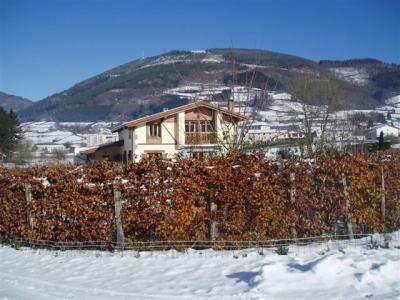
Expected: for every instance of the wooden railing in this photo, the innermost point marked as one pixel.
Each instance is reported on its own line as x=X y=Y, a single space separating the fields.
x=194 y=138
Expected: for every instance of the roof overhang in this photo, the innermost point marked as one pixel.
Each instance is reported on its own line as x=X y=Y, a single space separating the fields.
x=93 y=150
x=174 y=111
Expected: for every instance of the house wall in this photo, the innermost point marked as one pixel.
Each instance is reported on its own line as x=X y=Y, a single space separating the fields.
x=124 y=135
x=168 y=143
x=128 y=135
x=172 y=134
x=168 y=132
x=224 y=126
x=180 y=129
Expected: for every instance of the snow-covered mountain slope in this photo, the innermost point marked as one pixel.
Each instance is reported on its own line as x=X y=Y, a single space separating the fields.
x=357 y=76
x=148 y=85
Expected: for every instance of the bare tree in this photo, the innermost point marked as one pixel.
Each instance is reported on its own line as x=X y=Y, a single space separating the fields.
x=300 y=87
x=23 y=152
x=319 y=98
x=251 y=101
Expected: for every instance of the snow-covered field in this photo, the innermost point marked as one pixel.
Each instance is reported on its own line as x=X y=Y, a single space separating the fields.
x=323 y=272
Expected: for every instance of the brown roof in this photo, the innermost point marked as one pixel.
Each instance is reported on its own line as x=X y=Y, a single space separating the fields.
x=103 y=146
x=173 y=111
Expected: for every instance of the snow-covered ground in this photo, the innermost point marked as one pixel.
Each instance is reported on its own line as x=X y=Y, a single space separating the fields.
x=323 y=272
x=75 y=133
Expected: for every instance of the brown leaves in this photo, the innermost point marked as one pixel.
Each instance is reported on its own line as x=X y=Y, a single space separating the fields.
x=164 y=200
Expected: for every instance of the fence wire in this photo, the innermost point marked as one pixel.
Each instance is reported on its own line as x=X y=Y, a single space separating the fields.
x=296 y=245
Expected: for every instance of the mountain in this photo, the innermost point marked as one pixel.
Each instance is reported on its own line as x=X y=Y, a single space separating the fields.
x=148 y=85
x=15 y=103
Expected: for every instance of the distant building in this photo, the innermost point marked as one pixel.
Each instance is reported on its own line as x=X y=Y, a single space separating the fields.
x=262 y=132
x=98 y=139
x=50 y=148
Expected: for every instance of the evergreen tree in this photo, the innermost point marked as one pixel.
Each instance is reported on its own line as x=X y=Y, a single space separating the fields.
x=381 y=145
x=389 y=116
x=10 y=131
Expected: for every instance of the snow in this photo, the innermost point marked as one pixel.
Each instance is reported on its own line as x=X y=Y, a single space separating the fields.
x=321 y=272
x=75 y=133
x=43 y=180
x=198 y=51
x=280 y=96
x=394 y=100
x=199 y=55
x=353 y=75
x=197 y=91
x=213 y=58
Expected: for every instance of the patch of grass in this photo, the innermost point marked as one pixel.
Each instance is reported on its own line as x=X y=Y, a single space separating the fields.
x=282 y=250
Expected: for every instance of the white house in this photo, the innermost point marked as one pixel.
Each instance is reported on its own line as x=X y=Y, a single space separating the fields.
x=197 y=128
x=100 y=138
x=388 y=130
x=263 y=131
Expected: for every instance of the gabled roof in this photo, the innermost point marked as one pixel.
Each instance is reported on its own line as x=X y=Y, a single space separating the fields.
x=173 y=111
x=102 y=146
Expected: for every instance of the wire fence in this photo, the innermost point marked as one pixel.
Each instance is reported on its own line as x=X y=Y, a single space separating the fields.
x=295 y=245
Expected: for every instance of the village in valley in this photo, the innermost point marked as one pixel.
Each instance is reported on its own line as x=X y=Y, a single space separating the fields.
x=276 y=127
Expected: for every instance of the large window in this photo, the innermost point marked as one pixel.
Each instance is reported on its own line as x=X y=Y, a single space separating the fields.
x=203 y=126
x=154 y=130
x=190 y=126
x=206 y=126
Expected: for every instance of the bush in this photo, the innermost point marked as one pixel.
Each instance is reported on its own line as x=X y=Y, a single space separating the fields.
x=282 y=250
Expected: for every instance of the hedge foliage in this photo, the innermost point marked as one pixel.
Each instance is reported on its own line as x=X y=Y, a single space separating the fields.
x=169 y=200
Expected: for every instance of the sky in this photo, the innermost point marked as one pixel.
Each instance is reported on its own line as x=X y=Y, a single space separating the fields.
x=47 y=46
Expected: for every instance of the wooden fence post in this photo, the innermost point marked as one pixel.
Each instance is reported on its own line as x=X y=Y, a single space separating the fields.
x=347 y=207
x=117 y=209
x=383 y=201
x=28 y=198
x=213 y=224
x=292 y=188
x=383 y=210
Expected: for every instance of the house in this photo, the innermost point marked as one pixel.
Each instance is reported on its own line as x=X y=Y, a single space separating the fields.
x=263 y=132
x=388 y=130
x=198 y=128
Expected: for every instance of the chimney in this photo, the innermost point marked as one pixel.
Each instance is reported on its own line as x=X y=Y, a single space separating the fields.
x=231 y=104
x=165 y=109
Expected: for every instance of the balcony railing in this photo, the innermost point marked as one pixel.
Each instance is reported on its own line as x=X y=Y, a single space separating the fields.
x=195 y=138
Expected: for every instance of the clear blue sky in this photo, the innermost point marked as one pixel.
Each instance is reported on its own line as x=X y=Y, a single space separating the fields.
x=48 y=45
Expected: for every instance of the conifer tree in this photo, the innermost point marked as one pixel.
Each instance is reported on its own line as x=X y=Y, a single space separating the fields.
x=10 y=131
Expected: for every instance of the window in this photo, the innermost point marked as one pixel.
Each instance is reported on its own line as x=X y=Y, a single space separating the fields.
x=203 y=127
x=190 y=126
x=255 y=127
x=154 y=130
x=206 y=126
x=210 y=127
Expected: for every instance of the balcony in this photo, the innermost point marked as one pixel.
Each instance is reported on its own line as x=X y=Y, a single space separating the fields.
x=197 y=138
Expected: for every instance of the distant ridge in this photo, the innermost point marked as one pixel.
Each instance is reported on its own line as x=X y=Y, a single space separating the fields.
x=143 y=86
x=13 y=102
